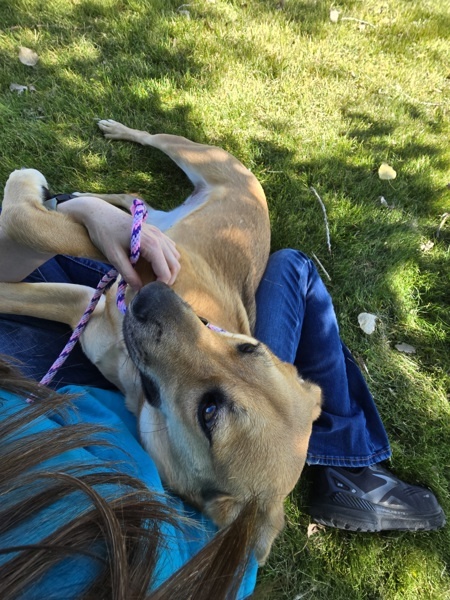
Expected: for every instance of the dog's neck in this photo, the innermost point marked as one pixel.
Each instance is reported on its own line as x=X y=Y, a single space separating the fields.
x=216 y=301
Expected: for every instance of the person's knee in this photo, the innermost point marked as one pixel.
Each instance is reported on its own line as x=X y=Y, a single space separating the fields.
x=290 y=261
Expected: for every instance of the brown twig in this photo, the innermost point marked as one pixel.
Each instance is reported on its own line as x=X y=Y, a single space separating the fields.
x=358 y=21
x=321 y=266
x=445 y=216
x=314 y=191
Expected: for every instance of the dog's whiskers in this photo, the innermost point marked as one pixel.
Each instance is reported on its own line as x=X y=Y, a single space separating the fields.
x=152 y=430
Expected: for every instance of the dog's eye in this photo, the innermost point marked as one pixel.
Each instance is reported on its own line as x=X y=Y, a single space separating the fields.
x=208 y=413
x=247 y=348
x=209 y=409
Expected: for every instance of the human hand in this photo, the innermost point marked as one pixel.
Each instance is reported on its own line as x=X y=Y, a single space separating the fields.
x=110 y=228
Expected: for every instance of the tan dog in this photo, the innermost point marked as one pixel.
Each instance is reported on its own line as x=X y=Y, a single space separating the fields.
x=222 y=417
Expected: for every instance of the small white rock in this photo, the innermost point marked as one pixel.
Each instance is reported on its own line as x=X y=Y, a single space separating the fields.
x=406 y=348
x=27 y=56
x=16 y=87
x=334 y=16
x=367 y=322
x=386 y=172
x=427 y=246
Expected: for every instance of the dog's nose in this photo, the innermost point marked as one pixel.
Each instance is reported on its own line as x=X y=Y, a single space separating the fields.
x=149 y=300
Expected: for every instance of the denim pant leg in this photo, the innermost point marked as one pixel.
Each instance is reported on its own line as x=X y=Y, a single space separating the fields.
x=296 y=319
x=36 y=343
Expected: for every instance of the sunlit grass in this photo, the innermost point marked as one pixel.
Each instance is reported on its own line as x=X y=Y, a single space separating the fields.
x=303 y=102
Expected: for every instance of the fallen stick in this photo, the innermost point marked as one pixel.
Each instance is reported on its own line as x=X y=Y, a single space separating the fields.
x=314 y=191
x=358 y=21
x=321 y=266
x=445 y=216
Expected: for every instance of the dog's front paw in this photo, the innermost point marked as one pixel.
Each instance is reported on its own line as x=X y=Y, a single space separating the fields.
x=112 y=129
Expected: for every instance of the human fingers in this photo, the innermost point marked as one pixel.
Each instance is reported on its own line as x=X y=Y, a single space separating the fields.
x=154 y=233
x=164 y=262
x=171 y=255
x=109 y=229
x=161 y=252
x=121 y=262
x=173 y=261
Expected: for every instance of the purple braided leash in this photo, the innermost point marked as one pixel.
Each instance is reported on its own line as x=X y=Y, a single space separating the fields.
x=139 y=213
x=215 y=328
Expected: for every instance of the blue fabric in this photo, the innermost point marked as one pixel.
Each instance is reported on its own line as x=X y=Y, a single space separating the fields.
x=69 y=578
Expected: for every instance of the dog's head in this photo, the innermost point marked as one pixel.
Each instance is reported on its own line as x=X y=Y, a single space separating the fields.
x=223 y=418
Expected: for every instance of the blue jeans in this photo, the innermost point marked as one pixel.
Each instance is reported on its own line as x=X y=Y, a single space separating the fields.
x=295 y=318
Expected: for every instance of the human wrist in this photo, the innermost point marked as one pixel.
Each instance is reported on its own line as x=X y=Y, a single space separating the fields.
x=79 y=209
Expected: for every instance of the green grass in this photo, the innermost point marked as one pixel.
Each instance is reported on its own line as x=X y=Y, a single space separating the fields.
x=302 y=102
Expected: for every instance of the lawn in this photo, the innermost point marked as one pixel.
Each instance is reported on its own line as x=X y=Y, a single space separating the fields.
x=304 y=102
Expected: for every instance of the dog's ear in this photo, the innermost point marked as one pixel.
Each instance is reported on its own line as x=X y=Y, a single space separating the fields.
x=270 y=525
x=223 y=509
x=269 y=520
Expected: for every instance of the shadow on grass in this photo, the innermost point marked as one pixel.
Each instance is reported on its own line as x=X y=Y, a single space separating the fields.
x=98 y=67
x=369 y=246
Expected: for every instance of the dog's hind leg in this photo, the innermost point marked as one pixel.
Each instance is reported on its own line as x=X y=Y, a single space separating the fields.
x=204 y=165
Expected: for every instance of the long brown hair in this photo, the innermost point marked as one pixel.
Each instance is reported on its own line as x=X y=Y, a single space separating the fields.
x=126 y=526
